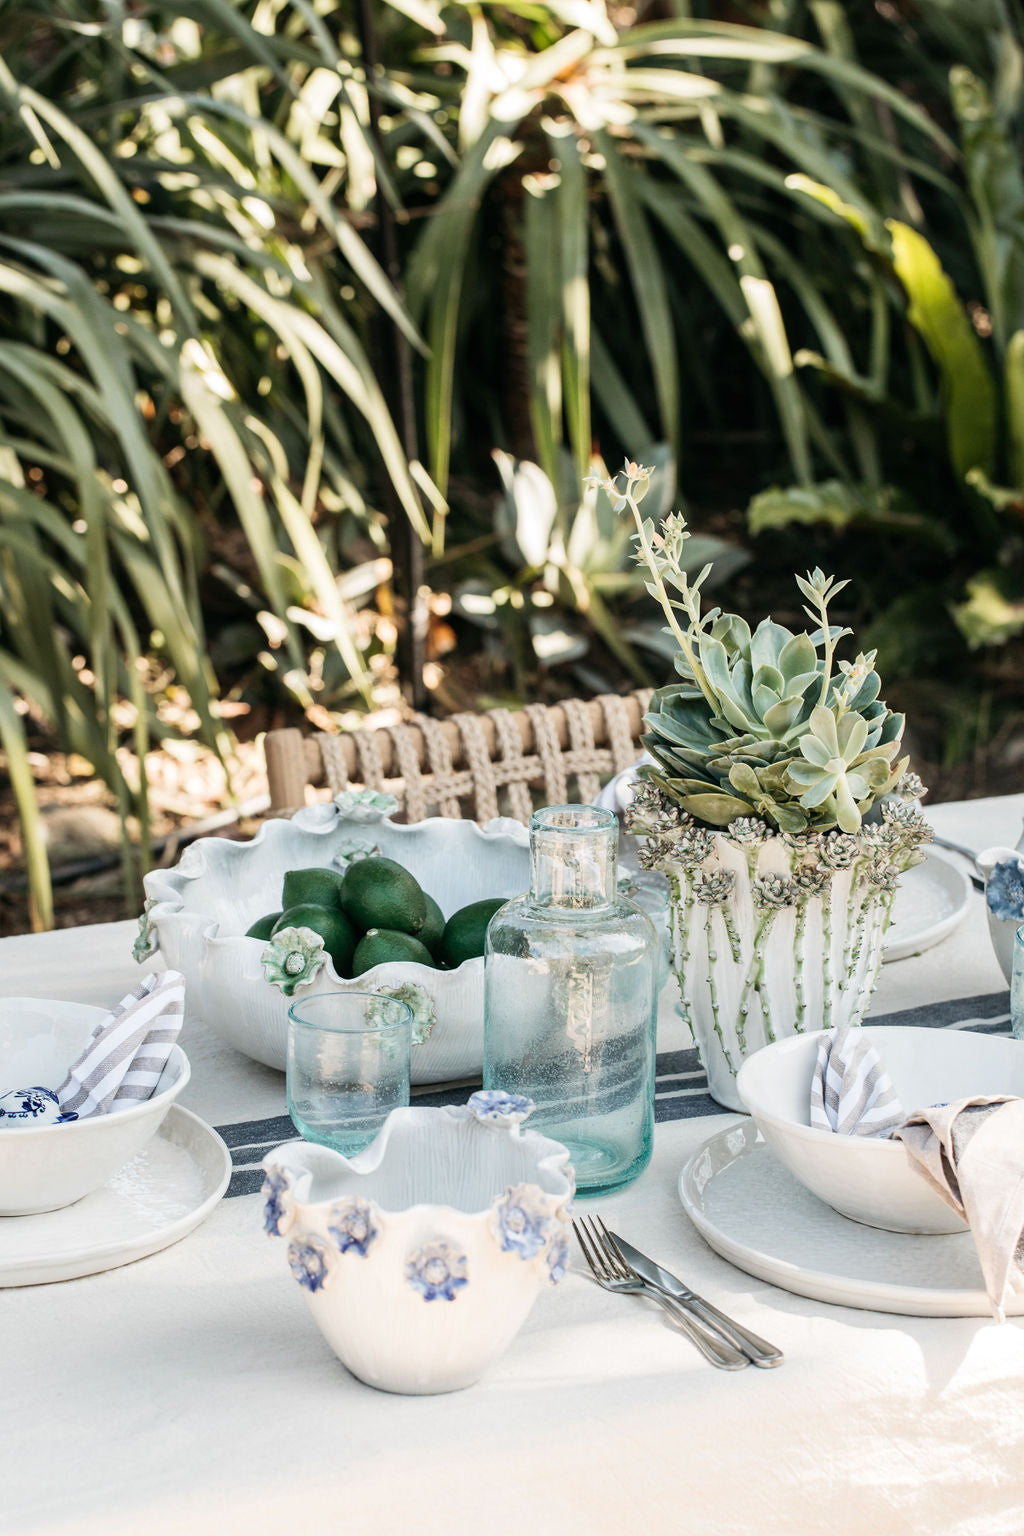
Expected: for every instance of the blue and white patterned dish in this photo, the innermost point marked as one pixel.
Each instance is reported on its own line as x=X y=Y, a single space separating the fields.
x=420 y=1257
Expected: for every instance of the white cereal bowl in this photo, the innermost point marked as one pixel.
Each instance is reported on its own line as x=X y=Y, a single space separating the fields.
x=869 y=1180
x=198 y=913
x=421 y=1257
x=46 y=1167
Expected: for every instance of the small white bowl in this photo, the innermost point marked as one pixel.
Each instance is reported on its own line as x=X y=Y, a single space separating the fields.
x=421 y=1257
x=869 y=1180
x=46 y=1167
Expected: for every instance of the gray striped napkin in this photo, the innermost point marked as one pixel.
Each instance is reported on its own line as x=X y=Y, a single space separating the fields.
x=850 y=1091
x=128 y=1050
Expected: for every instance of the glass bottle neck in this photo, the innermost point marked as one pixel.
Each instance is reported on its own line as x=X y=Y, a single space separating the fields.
x=574 y=856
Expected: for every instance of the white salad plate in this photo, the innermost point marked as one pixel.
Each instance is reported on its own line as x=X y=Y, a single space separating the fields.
x=156 y=1199
x=932 y=898
x=755 y=1214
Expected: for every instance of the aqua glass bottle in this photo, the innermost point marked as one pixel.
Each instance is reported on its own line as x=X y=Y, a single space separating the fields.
x=570 y=999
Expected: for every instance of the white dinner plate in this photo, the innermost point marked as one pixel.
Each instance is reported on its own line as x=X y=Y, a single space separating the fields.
x=931 y=900
x=751 y=1211
x=153 y=1201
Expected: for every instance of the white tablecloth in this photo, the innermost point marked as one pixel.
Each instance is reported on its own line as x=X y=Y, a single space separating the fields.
x=191 y=1392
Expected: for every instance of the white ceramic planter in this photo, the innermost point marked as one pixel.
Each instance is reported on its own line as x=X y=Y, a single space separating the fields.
x=421 y=1257
x=198 y=913
x=776 y=935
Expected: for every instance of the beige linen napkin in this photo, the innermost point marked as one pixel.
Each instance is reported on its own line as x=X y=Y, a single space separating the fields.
x=971 y=1152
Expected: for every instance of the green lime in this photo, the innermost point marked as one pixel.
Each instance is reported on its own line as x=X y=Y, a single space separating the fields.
x=263 y=927
x=433 y=928
x=378 y=893
x=465 y=931
x=388 y=945
x=312 y=887
x=331 y=924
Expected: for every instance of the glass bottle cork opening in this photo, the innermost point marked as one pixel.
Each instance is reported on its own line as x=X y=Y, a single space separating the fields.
x=573 y=850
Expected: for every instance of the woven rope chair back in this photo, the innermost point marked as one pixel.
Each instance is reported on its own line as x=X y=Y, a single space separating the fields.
x=478 y=766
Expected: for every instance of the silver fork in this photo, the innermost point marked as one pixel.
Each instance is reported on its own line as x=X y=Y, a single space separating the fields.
x=611 y=1272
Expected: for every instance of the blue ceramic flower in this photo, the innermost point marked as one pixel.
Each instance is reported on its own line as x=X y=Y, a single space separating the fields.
x=32 y=1106
x=522 y=1220
x=1004 y=890
x=308 y=1263
x=499 y=1108
x=557 y=1256
x=278 y=1212
x=351 y=1225
x=437 y=1271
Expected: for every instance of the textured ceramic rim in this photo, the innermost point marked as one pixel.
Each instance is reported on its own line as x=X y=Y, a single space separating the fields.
x=817 y=1284
x=165 y=1236
x=166 y=888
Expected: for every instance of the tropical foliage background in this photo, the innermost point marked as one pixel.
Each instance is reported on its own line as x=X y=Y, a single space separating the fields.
x=313 y=317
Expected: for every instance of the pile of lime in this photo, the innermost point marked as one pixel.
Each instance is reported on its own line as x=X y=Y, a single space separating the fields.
x=375 y=911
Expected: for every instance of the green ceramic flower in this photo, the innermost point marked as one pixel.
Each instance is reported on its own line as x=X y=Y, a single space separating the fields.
x=293 y=958
x=418 y=1000
x=365 y=805
x=148 y=941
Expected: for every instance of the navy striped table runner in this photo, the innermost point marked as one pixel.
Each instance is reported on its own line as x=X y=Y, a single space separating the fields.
x=680 y=1092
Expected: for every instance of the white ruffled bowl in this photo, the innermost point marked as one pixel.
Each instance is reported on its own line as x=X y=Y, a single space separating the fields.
x=46 y=1167
x=421 y=1257
x=870 y=1179
x=197 y=914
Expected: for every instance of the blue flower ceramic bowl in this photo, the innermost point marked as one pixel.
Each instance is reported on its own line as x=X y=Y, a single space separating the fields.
x=421 y=1257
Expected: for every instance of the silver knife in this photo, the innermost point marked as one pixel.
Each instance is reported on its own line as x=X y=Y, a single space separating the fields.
x=757 y=1350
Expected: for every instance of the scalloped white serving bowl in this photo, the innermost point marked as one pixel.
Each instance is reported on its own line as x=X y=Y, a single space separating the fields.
x=421 y=1257
x=202 y=907
x=46 y=1167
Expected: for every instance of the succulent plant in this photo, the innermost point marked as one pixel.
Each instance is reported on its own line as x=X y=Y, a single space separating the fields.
x=763 y=723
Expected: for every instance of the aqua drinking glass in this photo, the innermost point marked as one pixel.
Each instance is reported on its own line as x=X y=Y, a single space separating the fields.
x=569 y=1013
x=1017 y=986
x=348 y=1066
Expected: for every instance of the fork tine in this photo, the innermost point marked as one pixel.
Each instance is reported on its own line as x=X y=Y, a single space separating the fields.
x=591 y=1257
x=613 y=1252
x=603 y=1269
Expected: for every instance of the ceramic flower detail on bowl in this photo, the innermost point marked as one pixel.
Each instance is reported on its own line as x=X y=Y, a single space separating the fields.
x=1003 y=869
x=522 y=1220
x=495 y=1106
x=1004 y=890
x=293 y=958
x=278 y=1212
x=420 y=1004
x=365 y=805
x=437 y=1271
x=148 y=940
x=352 y=1226
x=308 y=1263
x=557 y=1256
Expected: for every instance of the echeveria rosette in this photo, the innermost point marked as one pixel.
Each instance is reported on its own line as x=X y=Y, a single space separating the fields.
x=1004 y=890
x=742 y=733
